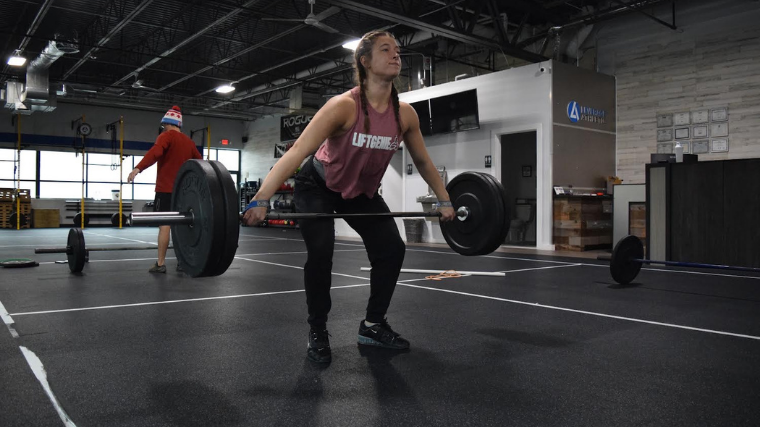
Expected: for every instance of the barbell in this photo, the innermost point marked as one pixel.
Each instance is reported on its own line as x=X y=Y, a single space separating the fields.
x=628 y=257
x=77 y=253
x=205 y=216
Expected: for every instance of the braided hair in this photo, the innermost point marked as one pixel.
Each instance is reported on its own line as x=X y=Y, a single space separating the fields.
x=360 y=75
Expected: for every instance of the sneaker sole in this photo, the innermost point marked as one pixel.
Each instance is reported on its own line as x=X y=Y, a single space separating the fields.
x=369 y=341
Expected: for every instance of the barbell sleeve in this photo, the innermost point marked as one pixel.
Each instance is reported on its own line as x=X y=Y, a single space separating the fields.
x=161 y=218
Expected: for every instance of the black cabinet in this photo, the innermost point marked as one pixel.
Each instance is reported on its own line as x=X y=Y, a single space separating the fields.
x=704 y=212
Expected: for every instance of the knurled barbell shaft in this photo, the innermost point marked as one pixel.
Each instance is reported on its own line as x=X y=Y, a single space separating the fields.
x=62 y=250
x=685 y=264
x=178 y=218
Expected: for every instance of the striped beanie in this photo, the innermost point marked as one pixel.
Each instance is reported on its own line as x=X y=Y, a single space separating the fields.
x=173 y=117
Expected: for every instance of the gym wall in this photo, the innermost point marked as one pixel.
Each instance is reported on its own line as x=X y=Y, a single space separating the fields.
x=710 y=61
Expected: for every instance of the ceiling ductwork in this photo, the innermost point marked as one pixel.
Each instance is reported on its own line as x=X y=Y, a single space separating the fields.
x=37 y=94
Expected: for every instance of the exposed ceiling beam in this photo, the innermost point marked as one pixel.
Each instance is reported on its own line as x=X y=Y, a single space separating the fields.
x=32 y=28
x=591 y=18
x=115 y=30
x=36 y=23
x=437 y=29
x=235 y=55
x=178 y=46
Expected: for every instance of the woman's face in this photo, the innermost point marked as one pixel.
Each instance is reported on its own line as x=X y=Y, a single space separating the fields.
x=386 y=61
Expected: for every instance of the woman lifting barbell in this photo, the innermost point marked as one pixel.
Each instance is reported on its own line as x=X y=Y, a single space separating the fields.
x=363 y=129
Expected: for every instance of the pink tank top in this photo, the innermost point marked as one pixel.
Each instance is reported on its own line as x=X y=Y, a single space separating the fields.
x=356 y=161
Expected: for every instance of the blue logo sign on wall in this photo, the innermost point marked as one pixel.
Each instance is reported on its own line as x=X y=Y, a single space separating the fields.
x=572 y=112
x=577 y=113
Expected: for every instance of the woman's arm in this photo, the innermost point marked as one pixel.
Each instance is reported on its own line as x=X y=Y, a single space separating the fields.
x=333 y=118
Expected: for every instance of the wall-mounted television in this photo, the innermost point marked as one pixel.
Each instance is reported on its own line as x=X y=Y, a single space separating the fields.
x=455 y=112
x=423 y=112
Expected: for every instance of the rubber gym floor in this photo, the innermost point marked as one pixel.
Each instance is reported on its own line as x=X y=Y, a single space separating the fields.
x=553 y=343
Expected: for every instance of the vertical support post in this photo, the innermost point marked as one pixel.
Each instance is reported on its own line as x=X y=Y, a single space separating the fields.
x=121 y=165
x=18 y=177
x=208 y=142
x=81 y=206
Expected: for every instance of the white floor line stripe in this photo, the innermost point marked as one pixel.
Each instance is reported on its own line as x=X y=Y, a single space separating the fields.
x=698 y=273
x=300 y=268
x=491 y=256
x=142 y=304
x=8 y=320
x=540 y=268
x=590 y=313
x=39 y=371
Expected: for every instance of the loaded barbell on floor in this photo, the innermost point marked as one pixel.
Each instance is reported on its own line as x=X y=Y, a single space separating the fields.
x=78 y=254
x=628 y=257
x=205 y=217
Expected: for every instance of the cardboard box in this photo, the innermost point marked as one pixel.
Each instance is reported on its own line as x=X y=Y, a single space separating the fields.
x=46 y=218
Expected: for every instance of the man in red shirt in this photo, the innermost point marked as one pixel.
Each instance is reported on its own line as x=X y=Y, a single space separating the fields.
x=171 y=149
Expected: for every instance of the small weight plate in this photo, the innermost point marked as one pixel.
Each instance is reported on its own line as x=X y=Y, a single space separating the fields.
x=12 y=220
x=500 y=202
x=76 y=254
x=231 y=217
x=19 y=263
x=197 y=189
x=622 y=267
x=78 y=219
x=115 y=219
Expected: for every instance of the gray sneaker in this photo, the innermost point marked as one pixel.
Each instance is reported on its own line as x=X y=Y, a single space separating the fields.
x=179 y=268
x=158 y=268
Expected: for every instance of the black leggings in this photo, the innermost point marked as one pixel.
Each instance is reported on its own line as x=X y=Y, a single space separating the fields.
x=385 y=248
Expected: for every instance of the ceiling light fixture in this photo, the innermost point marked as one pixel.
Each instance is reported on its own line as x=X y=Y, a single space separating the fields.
x=16 y=60
x=225 y=88
x=352 y=45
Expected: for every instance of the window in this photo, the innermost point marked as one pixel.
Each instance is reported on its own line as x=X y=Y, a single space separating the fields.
x=144 y=191
x=59 y=166
x=30 y=185
x=103 y=168
x=60 y=190
x=9 y=170
x=231 y=160
x=148 y=176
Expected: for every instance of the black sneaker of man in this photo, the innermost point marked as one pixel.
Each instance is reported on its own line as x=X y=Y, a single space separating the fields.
x=179 y=268
x=318 y=349
x=381 y=335
x=158 y=268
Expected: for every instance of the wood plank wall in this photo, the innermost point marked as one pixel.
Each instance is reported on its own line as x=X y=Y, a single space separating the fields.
x=713 y=61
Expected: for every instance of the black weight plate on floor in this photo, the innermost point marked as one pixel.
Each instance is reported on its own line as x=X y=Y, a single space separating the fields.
x=622 y=267
x=231 y=218
x=197 y=189
x=500 y=203
x=12 y=220
x=474 y=235
x=76 y=253
x=78 y=219
x=115 y=219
